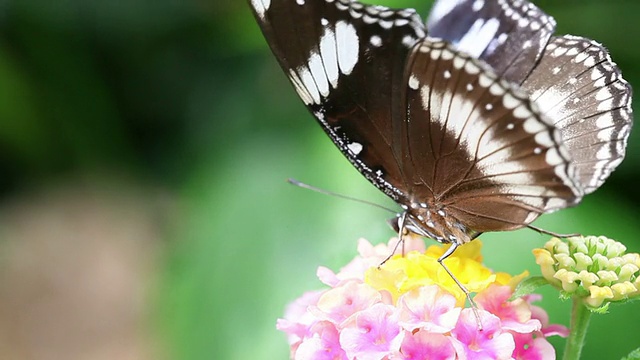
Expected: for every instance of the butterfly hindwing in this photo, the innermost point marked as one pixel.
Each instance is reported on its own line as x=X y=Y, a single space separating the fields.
x=582 y=90
x=477 y=145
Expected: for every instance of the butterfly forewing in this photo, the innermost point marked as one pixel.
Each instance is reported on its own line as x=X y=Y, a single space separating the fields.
x=578 y=86
x=346 y=61
x=509 y=35
x=477 y=146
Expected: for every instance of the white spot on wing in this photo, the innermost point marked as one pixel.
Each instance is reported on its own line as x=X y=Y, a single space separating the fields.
x=509 y=101
x=401 y=22
x=261 y=6
x=533 y=126
x=329 y=56
x=318 y=73
x=309 y=84
x=355 y=148
x=300 y=88
x=413 y=82
x=408 y=40
x=477 y=39
x=376 y=41
x=347 y=45
x=552 y=157
x=441 y=8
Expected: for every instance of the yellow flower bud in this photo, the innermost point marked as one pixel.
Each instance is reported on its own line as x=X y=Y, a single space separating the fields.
x=593 y=268
x=623 y=290
x=598 y=295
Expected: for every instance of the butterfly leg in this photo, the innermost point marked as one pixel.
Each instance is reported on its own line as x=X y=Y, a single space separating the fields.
x=547 y=232
x=441 y=260
x=401 y=230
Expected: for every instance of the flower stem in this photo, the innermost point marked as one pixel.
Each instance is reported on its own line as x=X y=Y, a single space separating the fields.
x=580 y=317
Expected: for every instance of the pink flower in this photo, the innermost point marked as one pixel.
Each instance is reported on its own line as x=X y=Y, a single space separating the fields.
x=514 y=315
x=324 y=344
x=489 y=344
x=369 y=256
x=297 y=319
x=372 y=334
x=425 y=345
x=539 y=314
x=428 y=308
x=337 y=304
x=358 y=319
x=530 y=347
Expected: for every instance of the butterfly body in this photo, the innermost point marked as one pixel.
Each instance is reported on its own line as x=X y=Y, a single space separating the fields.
x=478 y=120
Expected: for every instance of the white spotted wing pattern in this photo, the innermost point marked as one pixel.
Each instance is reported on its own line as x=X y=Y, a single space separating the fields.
x=508 y=34
x=487 y=158
x=479 y=120
x=346 y=61
x=578 y=86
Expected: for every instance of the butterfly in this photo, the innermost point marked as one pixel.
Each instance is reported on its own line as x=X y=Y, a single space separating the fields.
x=477 y=120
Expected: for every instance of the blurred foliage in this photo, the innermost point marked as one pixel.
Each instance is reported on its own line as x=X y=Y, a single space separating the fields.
x=186 y=95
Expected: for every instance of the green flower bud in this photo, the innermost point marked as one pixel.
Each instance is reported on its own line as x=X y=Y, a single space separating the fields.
x=594 y=268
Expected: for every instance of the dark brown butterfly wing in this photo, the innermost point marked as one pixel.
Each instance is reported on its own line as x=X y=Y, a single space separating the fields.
x=476 y=144
x=578 y=86
x=509 y=35
x=346 y=61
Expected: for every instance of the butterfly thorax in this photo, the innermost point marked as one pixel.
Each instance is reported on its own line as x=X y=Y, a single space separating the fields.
x=433 y=221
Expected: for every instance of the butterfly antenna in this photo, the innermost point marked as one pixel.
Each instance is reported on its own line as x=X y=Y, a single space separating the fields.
x=331 y=193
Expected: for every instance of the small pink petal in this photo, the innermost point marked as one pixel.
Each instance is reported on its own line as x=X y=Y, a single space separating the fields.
x=514 y=315
x=556 y=330
x=530 y=348
x=337 y=304
x=425 y=345
x=369 y=256
x=428 y=308
x=323 y=345
x=530 y=298
x=298 y=320
x=327 y=276
x=372 y=334
x=297 y=310
x=489 y=344
x=539 y=314
x=411 y=243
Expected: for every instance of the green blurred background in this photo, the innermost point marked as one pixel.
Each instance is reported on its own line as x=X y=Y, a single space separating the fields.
x=144 y=214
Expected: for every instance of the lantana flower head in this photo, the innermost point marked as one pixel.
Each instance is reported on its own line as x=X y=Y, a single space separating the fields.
x=410 y=308
x=594 y=268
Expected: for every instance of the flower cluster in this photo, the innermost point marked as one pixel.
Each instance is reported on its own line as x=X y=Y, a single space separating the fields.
x=593 y=268
x=410 y=308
